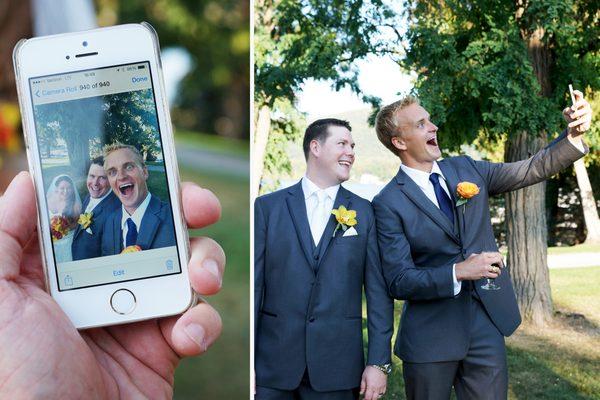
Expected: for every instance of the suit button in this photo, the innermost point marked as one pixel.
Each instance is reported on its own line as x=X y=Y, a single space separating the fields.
x=316 y=257
x=311 y=319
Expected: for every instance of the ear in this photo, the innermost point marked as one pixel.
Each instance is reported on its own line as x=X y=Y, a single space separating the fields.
x=399 y=143
x=315 y=147
x=145 y=170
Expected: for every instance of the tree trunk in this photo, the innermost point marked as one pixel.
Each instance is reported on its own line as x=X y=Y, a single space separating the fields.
x=261 y=136
x=526 y=238
x=15 y=23
x=588 y=203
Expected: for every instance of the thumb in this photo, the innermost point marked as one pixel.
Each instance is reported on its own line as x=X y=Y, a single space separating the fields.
x=363 y=385
x=18 y=216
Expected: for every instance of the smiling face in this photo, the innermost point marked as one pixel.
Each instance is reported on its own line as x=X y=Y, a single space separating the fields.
x=64 y=190
x=332 y=158
x=417 y=140
x=127 y=178
x=97 y=181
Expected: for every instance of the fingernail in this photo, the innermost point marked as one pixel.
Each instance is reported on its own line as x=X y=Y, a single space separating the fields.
x=197 y=334
x=211 y=266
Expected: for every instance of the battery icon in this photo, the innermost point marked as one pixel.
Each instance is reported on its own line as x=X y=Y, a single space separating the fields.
x=141 y=66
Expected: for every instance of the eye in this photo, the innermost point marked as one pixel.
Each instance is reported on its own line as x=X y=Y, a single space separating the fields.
x=129 y=167
x=112 y=172
x=421 y=124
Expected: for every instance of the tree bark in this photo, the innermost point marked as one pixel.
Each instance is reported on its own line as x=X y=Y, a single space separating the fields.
x=15 y=24
x=261 y=136
x=526 y=238
x=588 y=203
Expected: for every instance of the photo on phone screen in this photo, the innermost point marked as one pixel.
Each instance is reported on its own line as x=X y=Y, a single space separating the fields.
x=103 y=171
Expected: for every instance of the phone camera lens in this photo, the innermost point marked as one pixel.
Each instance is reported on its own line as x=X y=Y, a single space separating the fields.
x=68 y=57
x=85 y=43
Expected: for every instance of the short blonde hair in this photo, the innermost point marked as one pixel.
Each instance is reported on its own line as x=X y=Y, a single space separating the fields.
x=110 y=148
x=386 y=124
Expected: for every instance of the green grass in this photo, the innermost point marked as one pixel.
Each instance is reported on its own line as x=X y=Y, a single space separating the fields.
x=559 y=362
x=212 y=142
x=223 y=373
x=580 y=248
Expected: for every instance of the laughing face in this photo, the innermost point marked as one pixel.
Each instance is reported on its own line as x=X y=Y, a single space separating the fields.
x=418 y=138
x=97 y=182
x=127 y=178
x=334 y=156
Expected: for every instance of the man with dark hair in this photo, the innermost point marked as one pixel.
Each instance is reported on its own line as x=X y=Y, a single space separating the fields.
x=97 y=206
x=438 y=250
x=310 y=269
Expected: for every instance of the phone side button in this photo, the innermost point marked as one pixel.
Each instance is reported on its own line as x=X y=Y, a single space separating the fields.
x=123 y=301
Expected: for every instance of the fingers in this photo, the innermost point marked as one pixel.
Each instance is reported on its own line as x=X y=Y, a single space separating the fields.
x=193 y=332
x=363 y=385
x=18 y=219
x=200 y=206
x=206 y=266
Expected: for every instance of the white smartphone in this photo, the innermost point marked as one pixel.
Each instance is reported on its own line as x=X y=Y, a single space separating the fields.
x=101 y=153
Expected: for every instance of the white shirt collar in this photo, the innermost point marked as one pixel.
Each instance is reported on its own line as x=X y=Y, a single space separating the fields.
x=95 y=201
x=309 y=188
x=137 y=215
x=421 y=178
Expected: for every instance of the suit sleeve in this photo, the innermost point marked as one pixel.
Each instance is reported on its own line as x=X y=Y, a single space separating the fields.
x=404 y=279
x=260 y=234
x=380 y=306
x=505 y=177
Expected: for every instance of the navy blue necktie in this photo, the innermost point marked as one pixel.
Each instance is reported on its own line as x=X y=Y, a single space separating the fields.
x=442 y=197
x=132 y=233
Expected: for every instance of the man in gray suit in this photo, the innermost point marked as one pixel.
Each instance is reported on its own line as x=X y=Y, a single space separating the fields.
x=436 y=255
x=309 y=275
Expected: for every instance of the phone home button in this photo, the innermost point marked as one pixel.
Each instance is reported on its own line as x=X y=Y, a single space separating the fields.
x=122 y=301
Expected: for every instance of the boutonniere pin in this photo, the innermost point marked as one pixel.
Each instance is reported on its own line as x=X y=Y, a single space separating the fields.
x=85 y=220
x=465 y=191
x=345 y=218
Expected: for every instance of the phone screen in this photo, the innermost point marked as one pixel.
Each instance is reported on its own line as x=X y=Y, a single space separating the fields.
x=103 y=171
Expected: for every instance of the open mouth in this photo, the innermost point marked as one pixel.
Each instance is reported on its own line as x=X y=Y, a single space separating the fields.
x=126 y=189
x=345 y=163
x=432 y=141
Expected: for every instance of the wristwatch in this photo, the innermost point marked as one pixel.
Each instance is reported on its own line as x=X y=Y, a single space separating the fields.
x=385 y=368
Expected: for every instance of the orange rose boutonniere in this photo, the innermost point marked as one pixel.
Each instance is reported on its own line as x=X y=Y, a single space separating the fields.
x=131 y=249
x=465 y=190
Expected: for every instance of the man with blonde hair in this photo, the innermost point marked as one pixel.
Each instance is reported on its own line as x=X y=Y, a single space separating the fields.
x=438 y=251
x=143 y=220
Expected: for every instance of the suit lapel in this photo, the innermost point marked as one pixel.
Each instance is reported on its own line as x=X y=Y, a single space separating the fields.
x=78 y=230
x=149 y=225
x=416 y=195
x=297 y=208
x=452 y=180
x=117 y=233
x=341 y=199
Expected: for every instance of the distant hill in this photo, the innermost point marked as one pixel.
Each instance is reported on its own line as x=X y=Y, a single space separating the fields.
x=373 y=163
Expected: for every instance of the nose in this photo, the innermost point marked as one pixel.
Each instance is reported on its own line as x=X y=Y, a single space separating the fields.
x=432 y=126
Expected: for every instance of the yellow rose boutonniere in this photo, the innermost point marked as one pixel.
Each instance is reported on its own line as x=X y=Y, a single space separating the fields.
x=465 y=191
x=345 y=218
x=85 y=220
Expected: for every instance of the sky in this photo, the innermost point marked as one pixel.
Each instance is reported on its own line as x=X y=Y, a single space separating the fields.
x=378 y=75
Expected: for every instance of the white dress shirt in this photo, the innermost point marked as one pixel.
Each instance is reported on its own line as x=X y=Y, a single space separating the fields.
x=95 y=201
x=422 y=180
x=318 y=213
x=137 y=217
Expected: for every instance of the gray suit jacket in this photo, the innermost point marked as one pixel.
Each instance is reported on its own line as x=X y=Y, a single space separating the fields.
x=419 y=246
x=308 y=300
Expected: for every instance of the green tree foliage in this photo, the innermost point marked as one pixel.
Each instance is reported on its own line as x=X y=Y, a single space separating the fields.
x=309 y=39
x=214 y=95
x=476 y=71
x=88 y=124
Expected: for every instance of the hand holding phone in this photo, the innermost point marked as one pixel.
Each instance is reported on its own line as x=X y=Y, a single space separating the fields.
x=43 y=355
x=579 y=115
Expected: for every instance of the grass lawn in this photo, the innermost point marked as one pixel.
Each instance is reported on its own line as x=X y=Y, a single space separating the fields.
x=559 y=362
x=580 y=248
x=223 y=373
x=214 y=143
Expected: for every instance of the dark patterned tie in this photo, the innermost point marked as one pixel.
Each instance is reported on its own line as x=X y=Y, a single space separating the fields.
x=443 y=200
x=132 y=233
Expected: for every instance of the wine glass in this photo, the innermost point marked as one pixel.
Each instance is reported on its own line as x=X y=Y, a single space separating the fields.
x=490 y=284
